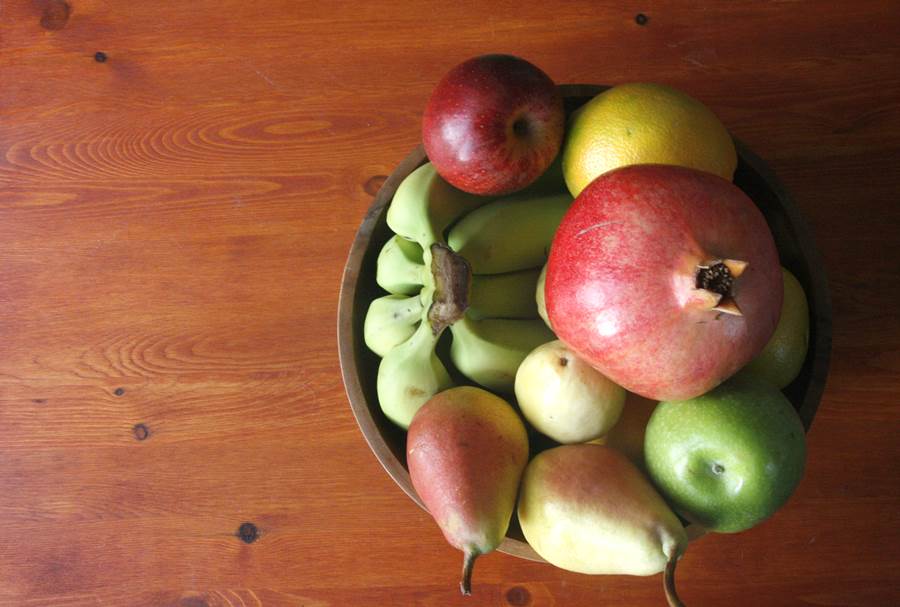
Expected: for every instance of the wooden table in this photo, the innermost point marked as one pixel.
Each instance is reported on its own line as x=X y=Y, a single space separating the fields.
x=179 y=186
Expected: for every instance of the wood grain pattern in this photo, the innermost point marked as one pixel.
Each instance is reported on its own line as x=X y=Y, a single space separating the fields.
x=174 y=221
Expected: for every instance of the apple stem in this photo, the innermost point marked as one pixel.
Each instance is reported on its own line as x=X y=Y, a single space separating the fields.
x=465 y=586
x=452 y=279
x=669 y=583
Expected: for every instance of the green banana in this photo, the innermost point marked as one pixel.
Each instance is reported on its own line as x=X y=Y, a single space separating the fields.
x=490 y=351
x=512 y=233
x=390 y=321
x=484 y=291
x=424 y=205
x=400 y=267
x=409 y=374
x=540 y=298
x=509 y=295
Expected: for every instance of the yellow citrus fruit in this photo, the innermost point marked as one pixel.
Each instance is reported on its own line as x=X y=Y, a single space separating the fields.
x=780 y=361
x=644 y=123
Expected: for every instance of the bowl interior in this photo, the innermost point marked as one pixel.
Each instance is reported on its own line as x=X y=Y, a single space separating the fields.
x=359 y=365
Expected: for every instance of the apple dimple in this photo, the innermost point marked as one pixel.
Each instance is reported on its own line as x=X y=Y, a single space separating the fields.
x=493 y=124
x=521 y=128
x=705 y=468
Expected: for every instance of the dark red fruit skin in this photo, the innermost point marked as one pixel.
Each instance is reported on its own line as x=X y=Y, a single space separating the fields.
x=493 y=124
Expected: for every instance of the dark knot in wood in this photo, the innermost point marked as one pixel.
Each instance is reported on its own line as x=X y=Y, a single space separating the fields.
x=518 y=596
x=56 y=14
x=141 y=431
x=373 y=184
x=248 y=533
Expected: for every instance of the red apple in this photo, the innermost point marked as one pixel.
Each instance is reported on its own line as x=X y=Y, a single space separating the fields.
x=664 y=278
x=493 y=124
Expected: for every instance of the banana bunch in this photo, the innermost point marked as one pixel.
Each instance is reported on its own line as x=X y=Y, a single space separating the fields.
x=465 y=263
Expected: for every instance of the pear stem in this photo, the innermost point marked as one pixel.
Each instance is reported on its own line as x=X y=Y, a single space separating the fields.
x=669 y=583
x=465 y=586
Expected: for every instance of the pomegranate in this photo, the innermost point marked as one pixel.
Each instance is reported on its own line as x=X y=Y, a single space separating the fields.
x=665 y=279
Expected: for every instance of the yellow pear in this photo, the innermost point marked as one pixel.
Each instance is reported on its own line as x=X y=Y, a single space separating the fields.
x=781 y=360
x=564 y=397
x=587 y=508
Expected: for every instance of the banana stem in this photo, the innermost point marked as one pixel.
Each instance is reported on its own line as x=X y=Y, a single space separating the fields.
x=465 y=586
x=452 y=281
x=669 y=583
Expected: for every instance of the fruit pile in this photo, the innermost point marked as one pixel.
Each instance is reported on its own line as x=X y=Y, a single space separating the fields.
x=598 y=284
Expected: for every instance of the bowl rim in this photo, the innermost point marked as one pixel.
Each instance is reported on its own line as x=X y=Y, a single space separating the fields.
x=347 y=337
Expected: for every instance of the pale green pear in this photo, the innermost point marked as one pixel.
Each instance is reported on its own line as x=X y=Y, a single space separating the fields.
x=565 y=398
x=781 y=360
x=587 y=508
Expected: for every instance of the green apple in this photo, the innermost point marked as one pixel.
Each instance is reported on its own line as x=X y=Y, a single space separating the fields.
x=728 y=459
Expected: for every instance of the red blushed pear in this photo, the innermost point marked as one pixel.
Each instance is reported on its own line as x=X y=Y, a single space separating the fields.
x=664 y=278
x=493 y=124
x=466 y=450
x=586 y=508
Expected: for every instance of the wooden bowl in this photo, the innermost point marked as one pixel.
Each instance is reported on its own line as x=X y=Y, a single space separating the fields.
x=359 y=365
